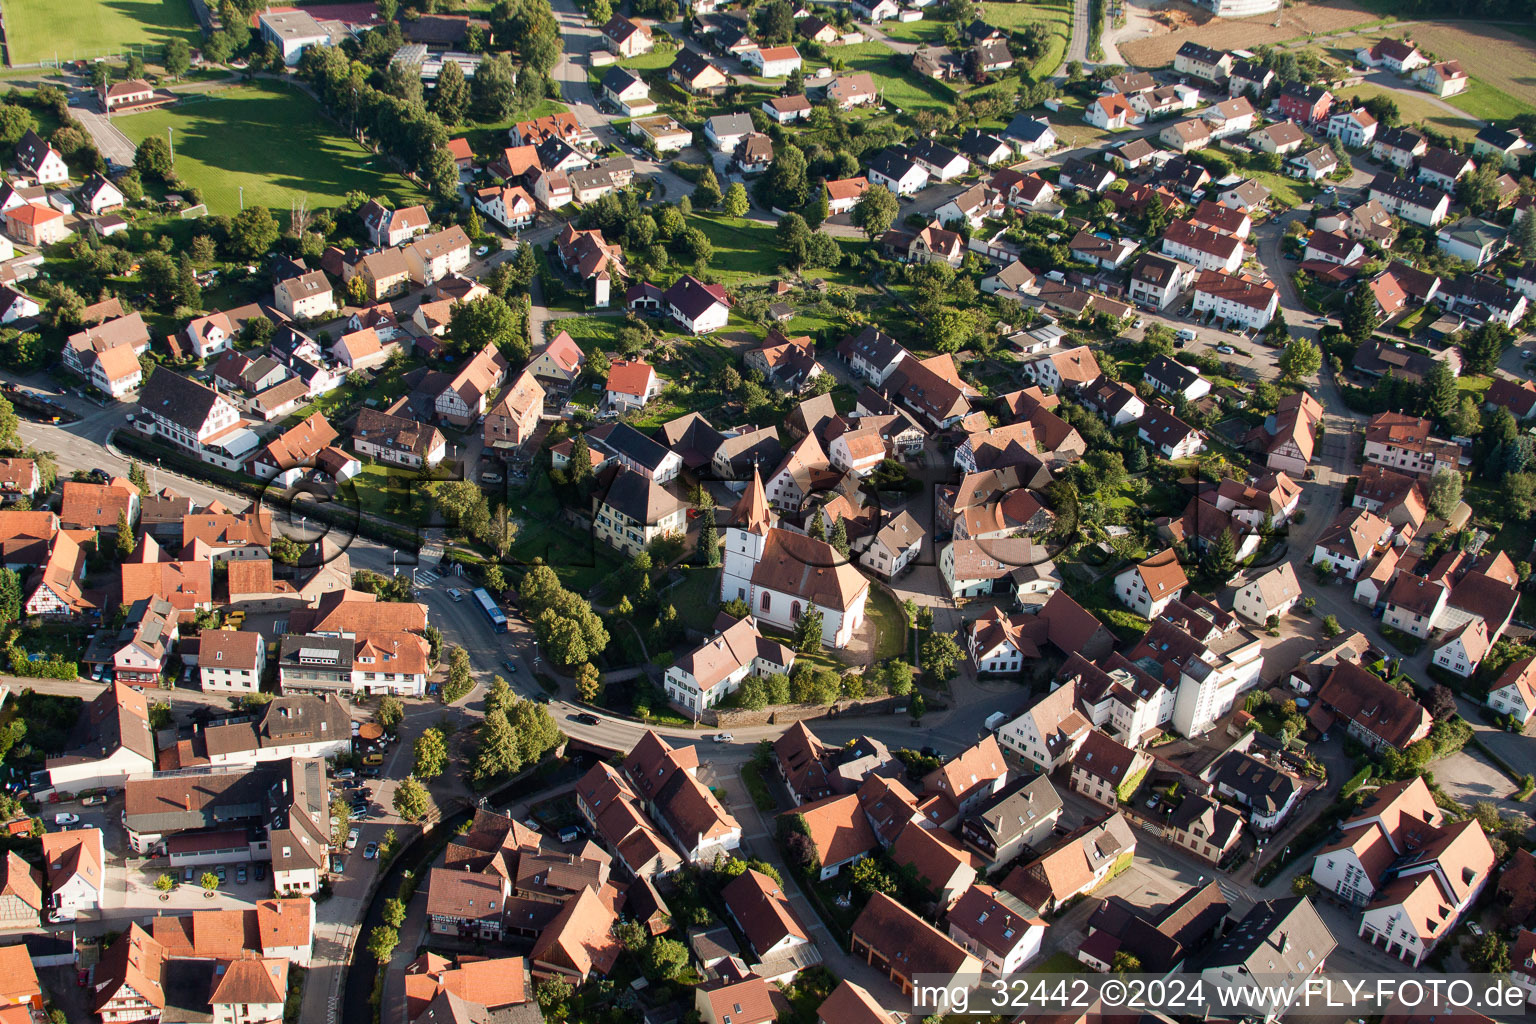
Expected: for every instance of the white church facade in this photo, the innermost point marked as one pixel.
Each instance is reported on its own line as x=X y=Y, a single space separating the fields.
x=781 y=573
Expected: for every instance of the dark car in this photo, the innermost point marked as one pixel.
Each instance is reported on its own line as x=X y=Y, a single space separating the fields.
x=261 y=871
x=372 y=772
x=931 y=752
x=584 y=718
x=510 y=665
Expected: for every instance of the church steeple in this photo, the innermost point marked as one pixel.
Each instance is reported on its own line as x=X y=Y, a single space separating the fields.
x=752 y=513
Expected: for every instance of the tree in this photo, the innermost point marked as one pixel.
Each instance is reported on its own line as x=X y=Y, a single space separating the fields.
x=412 y=800
x=1301 y=358
x=1524 y=236
x=488 y=320
x=153 y=158
x=1303 y=885
x=785 y=185
x=1361 y=316
x=341 y=814
x=15 y=121
x=1125 y=963
x=817 y=528
x=665 y=958
x=1437 y=392
x=736 y=202
x=601 y=11
x=390 y=712
x=381 y=944
x=498 y=754
x=442 y=175
x=839 y=538
x=709 y=538
x=1220 y=559
x=706 y=194
x=252 y=232
x=177 y=58
x=1479 y=191
x=808 y=631
x=940 y=654
x=1489 y=954
x=875 y=211
x=776 y=21
x=1331 y=627
x=166 y=882
x=209 y=881
x=1444 y=493
x=431 y=754
x=450 y=99
x=588 y=682
x=393 y=912
x=125 y=539
x=495 y=88
x=10 y=598
x=1484 y=347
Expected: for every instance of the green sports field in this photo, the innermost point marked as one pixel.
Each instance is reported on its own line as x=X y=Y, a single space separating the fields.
x=38 y=30
x=271 y=140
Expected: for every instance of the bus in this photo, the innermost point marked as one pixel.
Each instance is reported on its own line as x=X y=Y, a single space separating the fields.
x=495 y=614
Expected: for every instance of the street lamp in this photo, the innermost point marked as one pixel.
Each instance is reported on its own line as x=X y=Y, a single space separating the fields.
x=242 y=197
x=171 y=142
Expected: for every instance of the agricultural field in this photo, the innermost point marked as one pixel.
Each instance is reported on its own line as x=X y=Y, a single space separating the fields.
x=272 y=141
x=1296 y=21
x=1499 y=63
x=37 y=30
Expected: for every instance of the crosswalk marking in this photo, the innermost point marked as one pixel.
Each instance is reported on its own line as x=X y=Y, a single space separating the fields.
x=424 y=576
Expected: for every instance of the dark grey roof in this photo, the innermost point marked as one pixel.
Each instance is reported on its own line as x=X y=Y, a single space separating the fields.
x=188 y=986
x=873 y=346
x=633 y=495
x=1175 y=375
x=1406 y=191
x=1500 y=138
x=1265 y=788
x=893 y=163
x=179 y=399
x=1026 y=128
x=624 y=440
x=618 y=79
x=1273 y=938
x=1204 y=54
x=1399 y=138
x=1019 y=809
x=928 y=151
x=980 y=144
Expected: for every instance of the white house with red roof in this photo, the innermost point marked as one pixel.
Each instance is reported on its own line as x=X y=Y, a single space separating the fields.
x=1152 y=585
x=558 y=366
x=511 y=207
x=1514 y=692
x=631 y=384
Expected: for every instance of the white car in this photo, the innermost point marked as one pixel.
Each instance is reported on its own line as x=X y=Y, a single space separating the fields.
x=722 y=737
x=352 y=837
x=1226 y=350
x=65 y=818
x=482 y=250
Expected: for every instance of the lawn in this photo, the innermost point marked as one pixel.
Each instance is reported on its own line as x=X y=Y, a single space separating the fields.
x=745 y=250
x=1056 y=15
x=1415 y=107
x=38 y=30
x=895 y=80
x=579 y=560
x=697 y=597
x=272 y=141
x=1483 y=100
x=587 y=331
x=890 y=625
x=927 y=31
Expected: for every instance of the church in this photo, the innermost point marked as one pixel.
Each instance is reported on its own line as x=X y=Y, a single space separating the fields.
x=780 y=573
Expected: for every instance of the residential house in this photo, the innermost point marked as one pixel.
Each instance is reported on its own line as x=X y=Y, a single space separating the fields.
x=1202 y=62
x=1078 y=865
x=711 y=672
x=1416 y=203
x=1376 y=714
x=388 y=228
x=1354 y=128
x=1444 y=78
x=1236 y=298
x=397 y=439
x=626 y=37
x=1151 y=585
x=997 y=927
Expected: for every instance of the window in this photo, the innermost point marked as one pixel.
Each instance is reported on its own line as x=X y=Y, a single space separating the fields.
x=766 y=597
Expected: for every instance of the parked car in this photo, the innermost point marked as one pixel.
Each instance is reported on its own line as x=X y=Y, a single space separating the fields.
x=509 y=664
x=222 y=872
x=455 y=593
x=1226 y=350
x=371 y=851
x=584 y=718
x=345 y=773
x=186 y=875
x=261 y=871
x=94 y=800
x=240 y=874
x=352 y=837
x=65 y=818
x=722 y=737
